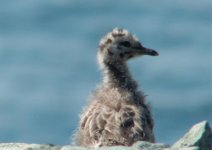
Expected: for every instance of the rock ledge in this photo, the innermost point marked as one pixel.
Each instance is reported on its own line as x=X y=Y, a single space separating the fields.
x=199 y=137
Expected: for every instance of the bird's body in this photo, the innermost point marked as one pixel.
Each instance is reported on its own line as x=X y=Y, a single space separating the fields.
x=117 y=113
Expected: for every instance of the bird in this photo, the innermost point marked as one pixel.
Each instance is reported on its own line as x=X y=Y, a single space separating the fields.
x=117 y=112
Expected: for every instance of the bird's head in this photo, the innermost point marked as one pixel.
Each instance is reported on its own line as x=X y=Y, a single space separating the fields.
x=121 y=45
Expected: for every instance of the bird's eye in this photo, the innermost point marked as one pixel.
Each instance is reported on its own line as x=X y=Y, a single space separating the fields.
x=125 y=44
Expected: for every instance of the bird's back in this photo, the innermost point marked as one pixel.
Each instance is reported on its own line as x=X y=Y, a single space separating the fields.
x=115 y=116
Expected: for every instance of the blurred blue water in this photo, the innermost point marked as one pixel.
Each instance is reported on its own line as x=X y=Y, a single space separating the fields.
x=48 y=63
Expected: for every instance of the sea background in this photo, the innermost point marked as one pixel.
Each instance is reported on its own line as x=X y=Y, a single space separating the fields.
x=48 y=63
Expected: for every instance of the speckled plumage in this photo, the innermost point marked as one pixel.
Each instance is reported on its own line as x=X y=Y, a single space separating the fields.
x=117 y=113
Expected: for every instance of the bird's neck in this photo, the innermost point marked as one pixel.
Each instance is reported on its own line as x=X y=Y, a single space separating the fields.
x=117 y=75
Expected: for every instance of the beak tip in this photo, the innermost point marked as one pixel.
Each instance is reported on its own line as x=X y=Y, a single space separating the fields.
x=154 y=53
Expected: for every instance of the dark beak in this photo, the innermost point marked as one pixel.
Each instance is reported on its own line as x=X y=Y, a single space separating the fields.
x=151 y=52
x=146 y=51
